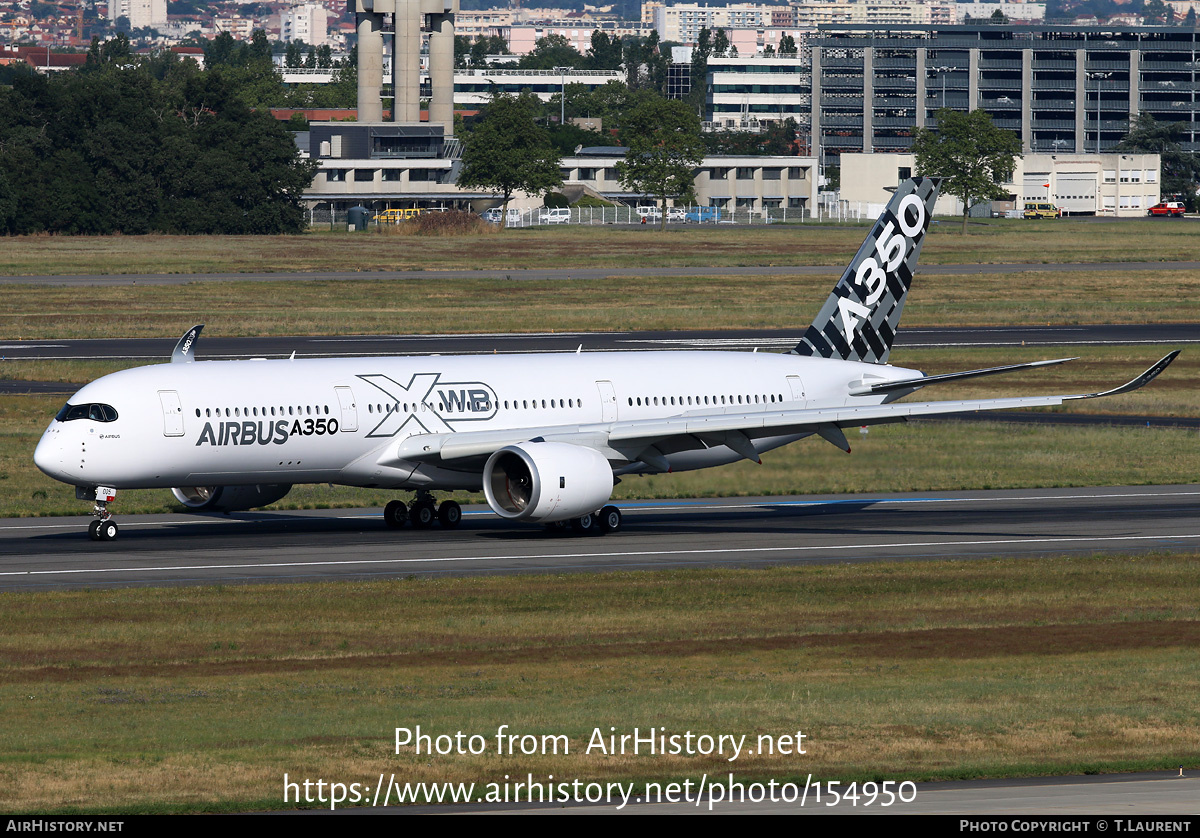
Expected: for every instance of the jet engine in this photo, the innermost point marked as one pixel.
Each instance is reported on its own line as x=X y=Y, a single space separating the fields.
x=544 y=482
x=229 y=498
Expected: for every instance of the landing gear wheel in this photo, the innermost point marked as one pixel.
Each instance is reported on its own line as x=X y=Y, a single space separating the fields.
x=449 y=514
x=395 y=514
x=587 y=524
x=94 y=530
x=107 y=530
x=421 y=514
x=610 y=519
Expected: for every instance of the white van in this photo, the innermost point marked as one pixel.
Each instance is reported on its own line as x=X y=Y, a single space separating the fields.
x=555 y=215
x=494 y=214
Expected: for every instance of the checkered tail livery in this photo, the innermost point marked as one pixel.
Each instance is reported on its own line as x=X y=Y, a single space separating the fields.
x=858 y=322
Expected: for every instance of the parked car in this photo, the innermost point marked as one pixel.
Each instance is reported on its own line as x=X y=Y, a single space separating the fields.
x=555 y=215
x=649 y=212
x=676 y=214
x=1042 y=210
x=697 y=215
x=1171 y=209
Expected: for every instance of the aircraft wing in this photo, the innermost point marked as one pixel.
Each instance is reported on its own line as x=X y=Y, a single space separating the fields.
x=649 y=439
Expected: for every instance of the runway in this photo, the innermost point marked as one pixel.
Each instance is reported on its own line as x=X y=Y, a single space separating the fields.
x=55 y=553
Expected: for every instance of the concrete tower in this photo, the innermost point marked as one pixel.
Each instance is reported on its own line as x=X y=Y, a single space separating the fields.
x=410 y=17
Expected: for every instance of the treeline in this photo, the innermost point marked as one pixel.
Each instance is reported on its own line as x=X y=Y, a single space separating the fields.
x=128 y=145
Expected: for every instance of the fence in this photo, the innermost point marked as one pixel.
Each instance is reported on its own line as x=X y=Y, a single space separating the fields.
x=843 y=211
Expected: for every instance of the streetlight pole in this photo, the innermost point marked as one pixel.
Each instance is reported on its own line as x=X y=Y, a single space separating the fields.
x=1099 y=93
x=941 y=71
x=562 y=111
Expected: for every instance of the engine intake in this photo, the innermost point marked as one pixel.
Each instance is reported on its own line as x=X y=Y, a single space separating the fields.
x=229 y=498
x=544 y=482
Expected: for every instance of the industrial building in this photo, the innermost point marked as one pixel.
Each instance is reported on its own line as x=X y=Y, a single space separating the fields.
x=1062 y=89
x=1113 y=185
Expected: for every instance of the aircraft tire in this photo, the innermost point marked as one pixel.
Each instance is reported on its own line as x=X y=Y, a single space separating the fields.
x=395 y=514
x=449 y=514
x=107 y=530
x=610 y=519
x=94 y=531
x=587 y=524
x=421 y=514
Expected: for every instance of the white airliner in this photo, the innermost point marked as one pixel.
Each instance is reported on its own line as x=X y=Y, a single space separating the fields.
x=546 y=436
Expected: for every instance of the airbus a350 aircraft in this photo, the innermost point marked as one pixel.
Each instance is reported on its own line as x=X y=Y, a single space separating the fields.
x=545 y=436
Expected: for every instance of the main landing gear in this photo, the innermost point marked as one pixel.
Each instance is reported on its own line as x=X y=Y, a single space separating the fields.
x=422 y=512
x=603 y=522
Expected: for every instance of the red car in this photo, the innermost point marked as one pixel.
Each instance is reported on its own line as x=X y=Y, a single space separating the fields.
x=1170 y=208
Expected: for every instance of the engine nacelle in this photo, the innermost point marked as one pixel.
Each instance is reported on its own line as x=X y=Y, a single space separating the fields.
x=544 y=482
x=229 y=498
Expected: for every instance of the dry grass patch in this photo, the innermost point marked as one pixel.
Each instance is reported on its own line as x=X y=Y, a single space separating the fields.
x=590 y=246
x=464 y=305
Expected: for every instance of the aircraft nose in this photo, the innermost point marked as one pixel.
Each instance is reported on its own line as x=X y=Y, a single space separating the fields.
x=48 y=455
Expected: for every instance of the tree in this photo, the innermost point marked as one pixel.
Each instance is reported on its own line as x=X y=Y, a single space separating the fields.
x=701 y=52
x=291 y=55
x=508 y=152
x=145 y=147
x=605 y=52
x=720 y=44
x=1180 y=169
x=777 y=139
x=1157 y=12
x=462 y=51
x=607 y=102
x=787 y=45
x=665 y=146
x=972 y=154
x=550 y=52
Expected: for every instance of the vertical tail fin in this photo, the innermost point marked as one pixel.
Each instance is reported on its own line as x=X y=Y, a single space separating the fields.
x=858 y=322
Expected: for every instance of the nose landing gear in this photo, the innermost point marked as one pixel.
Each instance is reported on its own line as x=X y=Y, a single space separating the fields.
x=103 y=528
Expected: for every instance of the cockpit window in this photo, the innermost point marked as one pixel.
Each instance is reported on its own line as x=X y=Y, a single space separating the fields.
x=95 y=412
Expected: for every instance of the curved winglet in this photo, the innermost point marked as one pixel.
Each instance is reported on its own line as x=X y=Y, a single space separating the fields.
x=1137 y=383
x=183 y=353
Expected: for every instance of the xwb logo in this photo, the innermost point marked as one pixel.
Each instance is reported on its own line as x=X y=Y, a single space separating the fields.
x=426 y=405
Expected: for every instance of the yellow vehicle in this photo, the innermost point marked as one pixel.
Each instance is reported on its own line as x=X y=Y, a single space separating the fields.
x=1042 y=210
x=395 y=216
